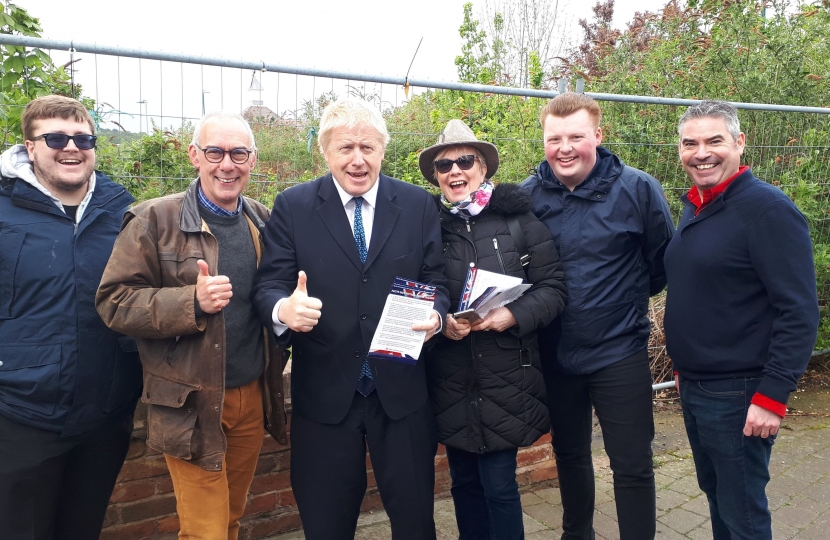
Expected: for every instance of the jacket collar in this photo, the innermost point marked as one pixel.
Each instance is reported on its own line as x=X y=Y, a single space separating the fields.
x=740 y=183
x=333 y=215
x=191 y=221
x=20 y=185
x=606 y=171
x=15 y=163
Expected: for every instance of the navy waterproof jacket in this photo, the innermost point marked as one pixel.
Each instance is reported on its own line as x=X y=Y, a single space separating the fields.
x=61 y=369
x=611 y=232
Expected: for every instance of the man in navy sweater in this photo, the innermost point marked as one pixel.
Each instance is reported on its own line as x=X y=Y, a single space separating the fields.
x=741 y=317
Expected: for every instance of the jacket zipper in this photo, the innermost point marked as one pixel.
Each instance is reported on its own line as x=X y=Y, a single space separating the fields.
x=498 y=254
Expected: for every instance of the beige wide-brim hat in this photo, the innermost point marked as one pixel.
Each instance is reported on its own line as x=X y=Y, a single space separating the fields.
x=457 y=133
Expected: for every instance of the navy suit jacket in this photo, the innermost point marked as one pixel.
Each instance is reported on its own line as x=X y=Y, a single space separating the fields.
x=308 y=230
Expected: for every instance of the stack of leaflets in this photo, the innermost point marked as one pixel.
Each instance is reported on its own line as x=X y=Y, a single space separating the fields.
x=409 y=302
x=485 y=291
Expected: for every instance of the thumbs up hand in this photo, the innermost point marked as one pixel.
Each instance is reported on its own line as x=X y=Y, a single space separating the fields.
x=300 y=312
x=212 y=292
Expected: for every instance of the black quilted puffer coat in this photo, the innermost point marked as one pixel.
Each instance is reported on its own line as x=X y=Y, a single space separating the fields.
x=487 y=389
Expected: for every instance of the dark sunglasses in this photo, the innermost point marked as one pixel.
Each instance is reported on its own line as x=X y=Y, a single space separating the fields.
x=59 y=141
x=216 y=155
x=465 y=163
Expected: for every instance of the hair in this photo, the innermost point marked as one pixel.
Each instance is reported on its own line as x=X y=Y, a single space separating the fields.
x=48 y=107
x=349 y=113
x=713 y=109
x=217 y=116
x=568 y=103
x=482 y=162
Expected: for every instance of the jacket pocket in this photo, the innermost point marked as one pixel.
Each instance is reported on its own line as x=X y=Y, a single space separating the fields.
x=171 y=415
x=179 y=268
x=31 y=376
x=10 y=245
x=126 y=374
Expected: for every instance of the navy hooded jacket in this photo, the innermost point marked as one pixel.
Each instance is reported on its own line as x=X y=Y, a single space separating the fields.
x=61 y=369
x=611 y=232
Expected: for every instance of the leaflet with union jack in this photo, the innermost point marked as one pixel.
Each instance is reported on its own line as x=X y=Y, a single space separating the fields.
x=409 y=302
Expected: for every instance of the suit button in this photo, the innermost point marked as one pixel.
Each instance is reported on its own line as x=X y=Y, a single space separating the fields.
x=357 y=354
x=364 y=279
x=362 y=316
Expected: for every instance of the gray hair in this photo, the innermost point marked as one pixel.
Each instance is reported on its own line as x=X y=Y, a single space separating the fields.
x=713 y=109
x=349 y=113
x=222 y=116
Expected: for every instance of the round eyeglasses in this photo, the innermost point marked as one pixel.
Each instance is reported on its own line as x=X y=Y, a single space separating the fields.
x=215 y=155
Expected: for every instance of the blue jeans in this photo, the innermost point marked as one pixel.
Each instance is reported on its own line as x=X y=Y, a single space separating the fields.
x=732 y=469
x=486 y=495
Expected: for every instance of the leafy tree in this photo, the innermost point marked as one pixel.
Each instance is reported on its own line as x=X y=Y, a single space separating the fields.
x=24 y=74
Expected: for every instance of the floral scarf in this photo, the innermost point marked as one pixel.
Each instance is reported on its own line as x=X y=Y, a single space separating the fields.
x=473 y=204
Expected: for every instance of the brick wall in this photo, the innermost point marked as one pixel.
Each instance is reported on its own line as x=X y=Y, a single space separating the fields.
x=143 y=505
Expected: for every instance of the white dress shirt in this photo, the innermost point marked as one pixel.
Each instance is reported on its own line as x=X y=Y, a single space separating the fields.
x=367 y=211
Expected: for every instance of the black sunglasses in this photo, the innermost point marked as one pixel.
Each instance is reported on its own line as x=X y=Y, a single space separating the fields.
x=59 y=141
x=465 y=163
x=216 y=155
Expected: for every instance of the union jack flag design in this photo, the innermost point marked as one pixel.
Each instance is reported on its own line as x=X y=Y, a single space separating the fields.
x=464 y=302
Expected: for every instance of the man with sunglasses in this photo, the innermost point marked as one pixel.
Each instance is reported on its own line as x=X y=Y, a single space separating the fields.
x=68 y=384
x=611 y=225
x=179 y=281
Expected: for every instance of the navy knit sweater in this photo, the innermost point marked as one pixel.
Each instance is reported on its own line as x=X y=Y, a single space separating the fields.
x=742 y=289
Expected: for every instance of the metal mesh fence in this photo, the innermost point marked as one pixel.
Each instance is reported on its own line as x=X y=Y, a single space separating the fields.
x=146 y=109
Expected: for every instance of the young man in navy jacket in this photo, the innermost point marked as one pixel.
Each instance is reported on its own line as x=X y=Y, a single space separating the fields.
x=68 y=384
x=741 y=317
x=611 y=224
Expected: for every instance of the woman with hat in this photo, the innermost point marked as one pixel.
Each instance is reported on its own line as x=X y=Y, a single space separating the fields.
x=485 y=378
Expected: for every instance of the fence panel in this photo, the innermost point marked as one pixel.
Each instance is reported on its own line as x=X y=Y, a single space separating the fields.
x=146 y=105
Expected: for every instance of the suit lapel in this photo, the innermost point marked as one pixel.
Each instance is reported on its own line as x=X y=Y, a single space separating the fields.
x=333 y=215
x=386 y=214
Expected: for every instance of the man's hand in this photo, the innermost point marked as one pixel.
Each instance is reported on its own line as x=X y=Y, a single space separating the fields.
x=498 y=320
x=300 y=312
x=212 y=292
x=456 y=328
x=430 y=326
x=761 y=422
x=677 y=383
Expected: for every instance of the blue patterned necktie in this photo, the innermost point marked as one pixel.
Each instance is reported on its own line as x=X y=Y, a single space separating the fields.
x=365 y=384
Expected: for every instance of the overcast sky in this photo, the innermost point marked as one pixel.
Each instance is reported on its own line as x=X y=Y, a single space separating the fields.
x=370 y=36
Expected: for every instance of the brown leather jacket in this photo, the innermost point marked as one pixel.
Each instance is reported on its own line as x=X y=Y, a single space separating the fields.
x=148 y=292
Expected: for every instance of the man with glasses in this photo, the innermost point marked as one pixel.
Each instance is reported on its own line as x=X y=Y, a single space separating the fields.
x=68 y=384
x=179 y=281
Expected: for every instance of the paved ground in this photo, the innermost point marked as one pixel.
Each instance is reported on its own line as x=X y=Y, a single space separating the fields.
x=799 y=492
